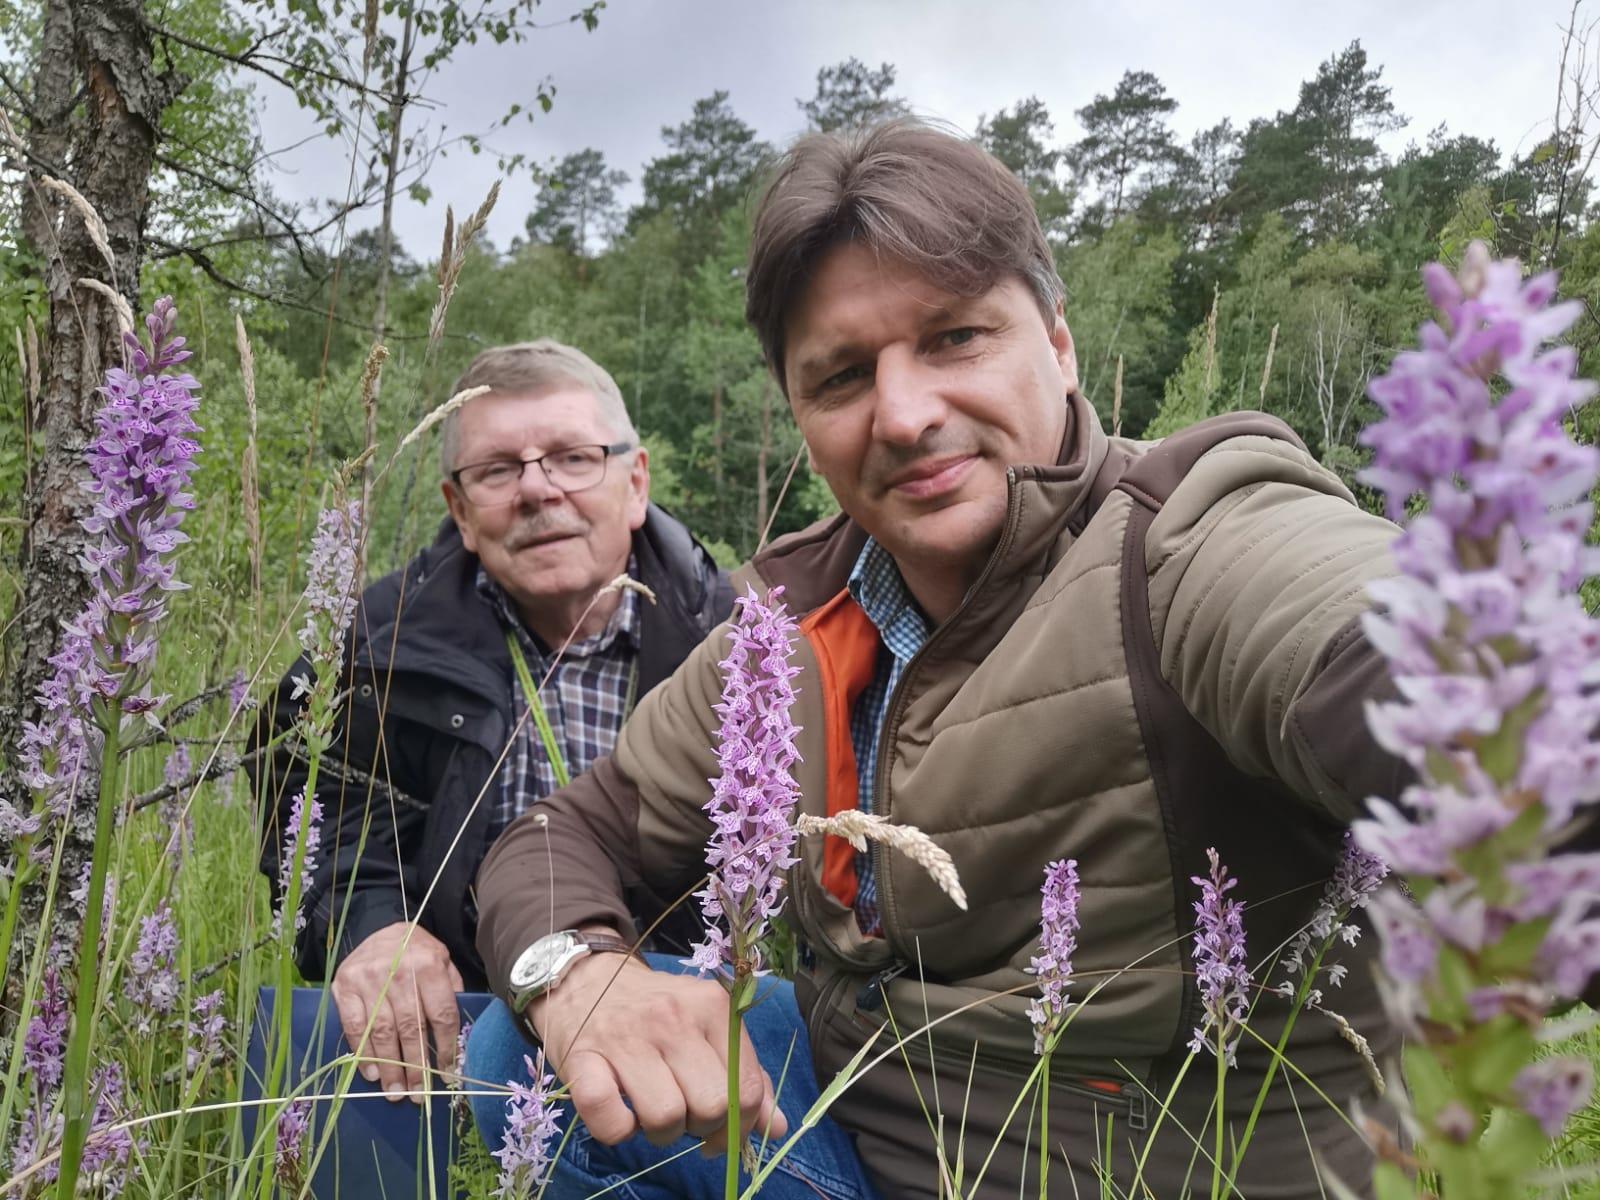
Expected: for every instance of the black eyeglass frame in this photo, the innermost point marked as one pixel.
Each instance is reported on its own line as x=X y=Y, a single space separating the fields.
x=607 y=454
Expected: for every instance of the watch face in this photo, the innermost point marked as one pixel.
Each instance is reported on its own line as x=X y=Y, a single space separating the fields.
x=540 y=960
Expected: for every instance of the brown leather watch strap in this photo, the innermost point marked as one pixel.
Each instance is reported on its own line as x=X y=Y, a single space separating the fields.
x=604 y=943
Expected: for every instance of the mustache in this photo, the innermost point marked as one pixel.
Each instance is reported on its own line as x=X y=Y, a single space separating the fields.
x=530 y=531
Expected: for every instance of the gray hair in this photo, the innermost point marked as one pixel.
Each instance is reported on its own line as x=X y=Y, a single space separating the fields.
x=534 y=368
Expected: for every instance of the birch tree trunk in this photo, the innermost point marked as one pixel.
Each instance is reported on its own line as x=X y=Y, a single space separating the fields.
x=98 y=106
x=397 y=116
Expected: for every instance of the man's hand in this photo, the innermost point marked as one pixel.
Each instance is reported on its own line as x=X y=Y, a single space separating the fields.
x=615 y=1029
x=420 y=998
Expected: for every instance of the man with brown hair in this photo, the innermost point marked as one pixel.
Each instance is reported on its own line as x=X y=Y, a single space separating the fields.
x=548 y=492
x=1030 y=641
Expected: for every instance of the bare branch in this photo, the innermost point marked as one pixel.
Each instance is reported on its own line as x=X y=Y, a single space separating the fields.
x=253 y=59
x=204 y=261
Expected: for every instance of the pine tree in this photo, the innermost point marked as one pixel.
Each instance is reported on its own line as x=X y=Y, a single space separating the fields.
x=1020 y=137
x=577 y=203
x=851 y=94
x=1128 y=147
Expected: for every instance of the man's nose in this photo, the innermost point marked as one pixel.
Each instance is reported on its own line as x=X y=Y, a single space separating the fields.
x=536 y=487
x=908 y=402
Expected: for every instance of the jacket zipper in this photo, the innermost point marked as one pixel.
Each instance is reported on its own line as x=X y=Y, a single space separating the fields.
x=1129 y=1097
x=891 y=723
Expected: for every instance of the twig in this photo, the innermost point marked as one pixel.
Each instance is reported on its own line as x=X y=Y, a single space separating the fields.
x=228 y=959
x=254 y=60
x=354 y=775
x=205 y=263
x=214 y=768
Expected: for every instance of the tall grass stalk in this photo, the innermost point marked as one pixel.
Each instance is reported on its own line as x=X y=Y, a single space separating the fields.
x=75 y=1076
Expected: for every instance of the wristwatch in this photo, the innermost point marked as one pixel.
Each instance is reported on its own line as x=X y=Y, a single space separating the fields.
x=542 y=965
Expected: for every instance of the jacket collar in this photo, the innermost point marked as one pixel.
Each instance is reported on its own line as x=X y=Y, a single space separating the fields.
x=1041 y=502
x=443 y=626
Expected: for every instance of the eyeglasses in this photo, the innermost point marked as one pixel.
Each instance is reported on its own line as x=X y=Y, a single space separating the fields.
x=572 y=469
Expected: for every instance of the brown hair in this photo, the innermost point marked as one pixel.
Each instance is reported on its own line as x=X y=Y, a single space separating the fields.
x=910 y=191
x=534 y=368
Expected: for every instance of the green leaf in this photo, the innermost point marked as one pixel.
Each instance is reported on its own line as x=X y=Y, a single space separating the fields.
x=1389 y=1182
x=1499 y=1051
x=1516 y=950
x=816 y=1112
x=1456 y=980
x=1513 y=1145
x=1430 y=1086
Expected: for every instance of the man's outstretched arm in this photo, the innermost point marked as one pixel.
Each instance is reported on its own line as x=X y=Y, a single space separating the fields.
x=614 y=1030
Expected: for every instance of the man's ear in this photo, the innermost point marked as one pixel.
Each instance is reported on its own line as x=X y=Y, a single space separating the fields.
x=457 y=504
x=638 y=488
x=1066 y=352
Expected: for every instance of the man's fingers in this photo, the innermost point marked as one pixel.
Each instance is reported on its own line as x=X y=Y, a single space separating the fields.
x=411 y=1031
x=438 y=995
x=654 y=1090
x=592 y=1085
x=352 y=1008
x=456 y=982
x=702 y=1078
x=384 y=1047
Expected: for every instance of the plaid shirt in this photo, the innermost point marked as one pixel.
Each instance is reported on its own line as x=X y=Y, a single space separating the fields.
x=875 y=584
x=585 y=699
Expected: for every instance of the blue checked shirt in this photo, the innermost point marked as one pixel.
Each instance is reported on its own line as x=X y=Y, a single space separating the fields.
x=586 y=699
x=875 y=584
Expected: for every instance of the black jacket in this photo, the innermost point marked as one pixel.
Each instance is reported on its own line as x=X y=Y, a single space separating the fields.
x=428 y=715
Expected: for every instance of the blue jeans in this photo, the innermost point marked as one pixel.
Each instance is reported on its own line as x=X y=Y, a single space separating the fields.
x=378 y=1150
x=823 y=1162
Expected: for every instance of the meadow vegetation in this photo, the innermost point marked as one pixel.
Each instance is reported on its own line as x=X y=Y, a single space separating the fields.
x=1265 y=263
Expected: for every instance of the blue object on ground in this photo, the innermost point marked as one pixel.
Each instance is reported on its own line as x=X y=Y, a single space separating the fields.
x=823 y=1163
x=380 y=1149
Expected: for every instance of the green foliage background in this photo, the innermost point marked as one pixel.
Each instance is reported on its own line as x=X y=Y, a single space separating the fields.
x=1270 y=263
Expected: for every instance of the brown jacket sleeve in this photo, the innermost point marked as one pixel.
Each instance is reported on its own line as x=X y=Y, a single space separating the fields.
x=633 y=819
x=1259 y=565
x=564 y=864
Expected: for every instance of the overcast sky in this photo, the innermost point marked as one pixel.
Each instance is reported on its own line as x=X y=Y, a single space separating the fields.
x=1485 y=67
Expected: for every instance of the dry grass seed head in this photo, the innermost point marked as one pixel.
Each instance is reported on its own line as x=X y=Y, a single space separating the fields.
x=858 y=828
x=446 y=251
x=22 y=366
x=249 y=473
x=454 y=256
x=371 y=371
x=247 y=369
x=627 y=583
x=119 y=303
x=369 y=34
x=440 y=413
x=95 y=227
x=34 y=386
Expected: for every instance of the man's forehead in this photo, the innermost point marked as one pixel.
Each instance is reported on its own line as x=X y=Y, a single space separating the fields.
x=840 y=318
x=546 y=413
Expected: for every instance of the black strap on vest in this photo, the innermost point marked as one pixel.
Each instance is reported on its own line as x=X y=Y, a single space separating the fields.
x=1206 y=801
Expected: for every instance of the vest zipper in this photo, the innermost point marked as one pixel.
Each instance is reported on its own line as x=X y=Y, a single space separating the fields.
x=896 y=704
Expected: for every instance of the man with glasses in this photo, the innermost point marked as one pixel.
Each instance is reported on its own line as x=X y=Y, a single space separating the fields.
x=439 y=748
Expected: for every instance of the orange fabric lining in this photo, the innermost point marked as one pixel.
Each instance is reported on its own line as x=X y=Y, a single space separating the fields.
x=845 y=642
x=1109 y=1086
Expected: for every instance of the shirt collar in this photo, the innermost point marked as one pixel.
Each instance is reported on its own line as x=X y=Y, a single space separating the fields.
x=624 y=623
x=876 y=585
